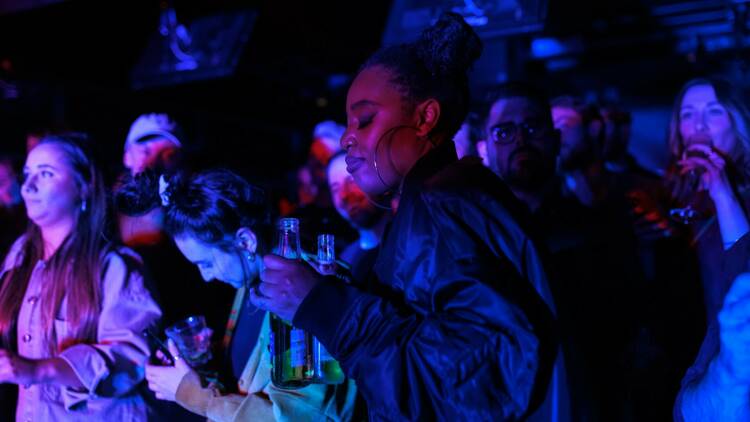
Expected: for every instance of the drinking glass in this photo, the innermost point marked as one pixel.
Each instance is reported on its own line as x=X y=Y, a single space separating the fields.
x=193 y=340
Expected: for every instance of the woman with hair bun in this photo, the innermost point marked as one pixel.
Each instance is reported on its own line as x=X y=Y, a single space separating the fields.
x=221 y=224
x=463 y=335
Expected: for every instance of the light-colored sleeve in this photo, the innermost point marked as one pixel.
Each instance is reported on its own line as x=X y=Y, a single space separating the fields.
x=114 y=366
x=206 y=401
x=316 y=402
x=236 y=407
x=13 y=255
x=263 y=401
x=312 y=403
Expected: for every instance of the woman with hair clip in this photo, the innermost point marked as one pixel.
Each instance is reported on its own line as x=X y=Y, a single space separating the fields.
x=221 y=224
x=72 y=305
x=462 y=334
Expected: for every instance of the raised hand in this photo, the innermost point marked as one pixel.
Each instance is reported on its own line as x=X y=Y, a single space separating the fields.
x=712 y=167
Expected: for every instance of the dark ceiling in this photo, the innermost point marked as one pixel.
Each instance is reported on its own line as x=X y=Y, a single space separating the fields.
x=70 y=63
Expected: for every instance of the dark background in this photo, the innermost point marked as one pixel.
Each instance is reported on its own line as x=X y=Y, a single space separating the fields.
x=70 y=64
x=80 y=64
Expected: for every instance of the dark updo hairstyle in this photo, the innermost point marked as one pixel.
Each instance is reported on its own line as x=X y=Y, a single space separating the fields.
x=210 y=205
x=436 y=65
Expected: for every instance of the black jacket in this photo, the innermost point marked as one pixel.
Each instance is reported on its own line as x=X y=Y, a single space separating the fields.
x=464 y=336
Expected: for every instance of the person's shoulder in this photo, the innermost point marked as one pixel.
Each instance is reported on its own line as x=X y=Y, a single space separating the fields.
x=351 y=252
x=14 y=253
x=123 y=275
x=466 y=176
x=468 y=182
x=17 y=245
x=121 y=257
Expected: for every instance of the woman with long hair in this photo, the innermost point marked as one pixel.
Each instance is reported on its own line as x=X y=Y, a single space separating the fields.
x=709 y=141
x=221 y=224
x=72 y=305
x=710 y=135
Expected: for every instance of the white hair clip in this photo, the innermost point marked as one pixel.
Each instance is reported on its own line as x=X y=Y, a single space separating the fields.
x=163 y=193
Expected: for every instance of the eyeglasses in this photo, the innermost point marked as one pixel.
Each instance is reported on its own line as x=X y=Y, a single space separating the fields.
x=505 y=133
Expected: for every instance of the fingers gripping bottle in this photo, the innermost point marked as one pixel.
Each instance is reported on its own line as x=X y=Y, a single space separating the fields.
x=291 y=348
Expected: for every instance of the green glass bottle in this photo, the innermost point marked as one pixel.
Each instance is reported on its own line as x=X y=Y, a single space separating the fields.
x=291 y=348
x=327 y=369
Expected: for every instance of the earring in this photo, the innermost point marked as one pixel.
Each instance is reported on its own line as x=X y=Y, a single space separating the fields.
x=83 y=206
x=250 y=257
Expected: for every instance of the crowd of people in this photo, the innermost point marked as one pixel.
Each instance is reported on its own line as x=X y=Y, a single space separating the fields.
x=505 y=258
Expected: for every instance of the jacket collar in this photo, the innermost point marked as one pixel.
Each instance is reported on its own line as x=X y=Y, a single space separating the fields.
x=431 y=163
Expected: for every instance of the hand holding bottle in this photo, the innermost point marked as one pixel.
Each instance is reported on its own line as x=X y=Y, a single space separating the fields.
x=284 y=285
x=710 y=166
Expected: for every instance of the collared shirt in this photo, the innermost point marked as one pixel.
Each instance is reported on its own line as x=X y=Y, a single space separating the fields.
x=111 y=369
x=260 y=400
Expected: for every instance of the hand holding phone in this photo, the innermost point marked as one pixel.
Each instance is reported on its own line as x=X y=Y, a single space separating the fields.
x=162 y=355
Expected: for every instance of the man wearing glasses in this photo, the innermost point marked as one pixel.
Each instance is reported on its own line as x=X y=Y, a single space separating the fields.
x=522 y=145
x=590 y=263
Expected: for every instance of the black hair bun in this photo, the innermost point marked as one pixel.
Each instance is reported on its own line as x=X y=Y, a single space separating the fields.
x=449 y=47
x=139 y=194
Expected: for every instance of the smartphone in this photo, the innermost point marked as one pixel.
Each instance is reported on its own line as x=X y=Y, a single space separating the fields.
x=155 y=343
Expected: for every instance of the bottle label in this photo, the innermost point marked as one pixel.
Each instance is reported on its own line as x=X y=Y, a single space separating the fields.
x=298 y=347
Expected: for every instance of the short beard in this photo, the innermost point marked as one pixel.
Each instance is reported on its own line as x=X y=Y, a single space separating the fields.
x=530 y=180
x=533 y=175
